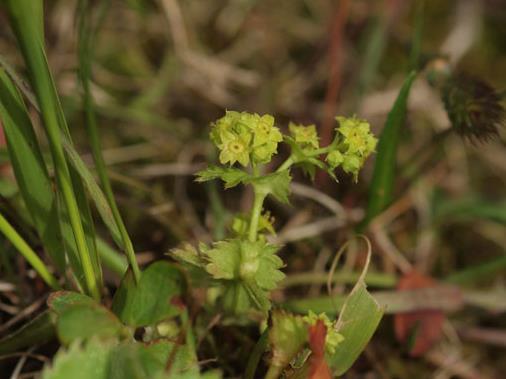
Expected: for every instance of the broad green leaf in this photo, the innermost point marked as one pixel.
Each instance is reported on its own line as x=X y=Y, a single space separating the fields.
x=79 y=317
x=37 y=331
x=149 y=301
x=357 y=323
x=59 y=301
x=231 y=176
x=30 y=169
x=85 y=321
x=383 y=180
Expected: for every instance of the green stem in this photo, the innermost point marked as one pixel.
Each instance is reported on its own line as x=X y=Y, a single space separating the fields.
x=286 y=164
x=256 y=355
x=315 y=153
x=375 y=279
x=274 y=372
x=255 y=214
x=27 y=252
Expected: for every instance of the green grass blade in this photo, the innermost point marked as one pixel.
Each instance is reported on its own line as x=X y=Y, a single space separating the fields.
x=35 y=332
x=382 y=185
x=469 y=209
x=22 y=15
x=111 y=258
x=416 y=43
x=30 y=169
x=94 y=190
x=86 y=34
x=375 y=46
x=27 y=252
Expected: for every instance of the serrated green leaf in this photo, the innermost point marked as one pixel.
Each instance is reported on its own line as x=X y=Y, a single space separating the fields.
x=231 y=176
x=138 y=361
x=189 y=254
x=276 y=184
x=269 y=274
x=80 y=362
x=224 y=259
x=149 y=301
x=287 y=336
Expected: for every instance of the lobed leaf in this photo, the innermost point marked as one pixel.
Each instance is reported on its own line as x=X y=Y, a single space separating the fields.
x=231 y=176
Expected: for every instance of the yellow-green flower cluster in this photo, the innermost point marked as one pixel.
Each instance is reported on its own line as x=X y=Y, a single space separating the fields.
x=355 y=144
x=245 y=138
x=333 y=337
x=305 y=136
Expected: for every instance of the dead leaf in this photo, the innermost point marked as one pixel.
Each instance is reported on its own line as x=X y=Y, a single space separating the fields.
x=318 y=366
x=420 y=329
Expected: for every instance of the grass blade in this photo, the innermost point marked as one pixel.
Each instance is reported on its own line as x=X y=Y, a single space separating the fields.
x=37 y=331
x=416 y=43
x=28 y=33
x=30 y=169
x=86 y=34
x=27 y=252
x=382 y=185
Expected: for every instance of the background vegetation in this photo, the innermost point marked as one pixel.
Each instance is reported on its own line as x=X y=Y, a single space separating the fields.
x=159 y=72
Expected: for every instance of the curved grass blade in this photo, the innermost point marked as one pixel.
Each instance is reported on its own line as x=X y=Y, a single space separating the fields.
x=27 y=252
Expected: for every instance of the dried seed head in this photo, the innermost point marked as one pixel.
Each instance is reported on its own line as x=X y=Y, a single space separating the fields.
x=474 y=107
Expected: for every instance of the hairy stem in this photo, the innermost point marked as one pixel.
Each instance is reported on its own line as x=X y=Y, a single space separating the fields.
x=255 y=214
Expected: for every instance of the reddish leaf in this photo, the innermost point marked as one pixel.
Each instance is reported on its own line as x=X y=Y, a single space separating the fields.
x=422 y=327
x=318 y=366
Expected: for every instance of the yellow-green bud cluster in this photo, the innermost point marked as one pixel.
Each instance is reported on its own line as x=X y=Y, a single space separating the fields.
x=245 y=138
x=333 y=337
x=355 y=143
x=305 y=136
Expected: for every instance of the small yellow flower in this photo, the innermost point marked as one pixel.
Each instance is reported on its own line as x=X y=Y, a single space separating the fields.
x=234 y=148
